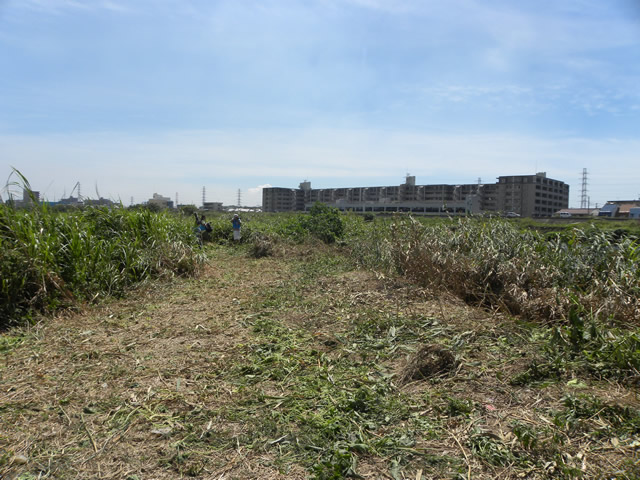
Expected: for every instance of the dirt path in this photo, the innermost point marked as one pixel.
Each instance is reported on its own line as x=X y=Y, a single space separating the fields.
x=70 y=385
x=265 y=368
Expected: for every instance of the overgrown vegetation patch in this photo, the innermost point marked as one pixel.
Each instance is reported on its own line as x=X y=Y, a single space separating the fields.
x=51 y=260
x=494 y=264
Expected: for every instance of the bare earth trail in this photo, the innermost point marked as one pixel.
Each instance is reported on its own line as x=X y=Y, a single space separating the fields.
x=77 y=379
x=245 y=370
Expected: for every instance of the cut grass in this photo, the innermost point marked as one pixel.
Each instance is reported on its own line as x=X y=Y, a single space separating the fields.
x=288 y=367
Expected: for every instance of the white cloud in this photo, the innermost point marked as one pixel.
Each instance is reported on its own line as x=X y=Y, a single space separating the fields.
x=225 y=161
x=254 y=195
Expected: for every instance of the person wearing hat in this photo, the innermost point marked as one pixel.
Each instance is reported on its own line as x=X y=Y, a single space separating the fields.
x=236 y=223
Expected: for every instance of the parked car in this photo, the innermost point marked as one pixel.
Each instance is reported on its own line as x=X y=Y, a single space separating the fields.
x=512 y=215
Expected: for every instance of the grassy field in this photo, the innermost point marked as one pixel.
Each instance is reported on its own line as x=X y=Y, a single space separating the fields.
x=372 y=353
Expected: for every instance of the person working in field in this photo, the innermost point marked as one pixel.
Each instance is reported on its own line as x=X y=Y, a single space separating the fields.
x=202 y=227
x=200 y=222
x=236 y=223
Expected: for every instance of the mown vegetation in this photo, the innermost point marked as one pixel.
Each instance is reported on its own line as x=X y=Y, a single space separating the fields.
x=490 y=262
x=329 y=346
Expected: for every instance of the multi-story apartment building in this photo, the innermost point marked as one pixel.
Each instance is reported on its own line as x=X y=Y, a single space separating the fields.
x=526 y=195
x=532 y=195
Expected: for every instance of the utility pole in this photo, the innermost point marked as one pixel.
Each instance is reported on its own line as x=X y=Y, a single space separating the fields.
x=176 y=199
x=583 y=194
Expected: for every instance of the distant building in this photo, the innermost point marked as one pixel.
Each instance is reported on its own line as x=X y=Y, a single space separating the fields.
x=100 y=202
x=72 y=201
x=159 y=200
x=625 y=208
x=532 y=195
x=212 y=206
x=620 y=209
x=577 y=212
x=29 y=197
x=524 y=195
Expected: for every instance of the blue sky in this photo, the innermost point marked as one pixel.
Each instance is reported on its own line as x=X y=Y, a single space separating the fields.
x=141 y=96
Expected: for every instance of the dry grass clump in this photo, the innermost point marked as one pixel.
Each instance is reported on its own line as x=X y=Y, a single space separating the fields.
x=429 y=361
x=262 y=245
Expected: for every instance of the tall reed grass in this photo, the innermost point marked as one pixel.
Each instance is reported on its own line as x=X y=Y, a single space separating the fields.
x=495 y=264
x=50 y=259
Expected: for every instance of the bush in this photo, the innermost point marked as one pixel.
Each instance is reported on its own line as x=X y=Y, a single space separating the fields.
x=324 y=223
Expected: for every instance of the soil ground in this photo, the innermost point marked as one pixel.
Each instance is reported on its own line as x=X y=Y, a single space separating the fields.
x=294 y=366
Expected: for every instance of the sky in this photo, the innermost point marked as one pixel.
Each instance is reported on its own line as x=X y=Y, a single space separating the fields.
x=185 y=97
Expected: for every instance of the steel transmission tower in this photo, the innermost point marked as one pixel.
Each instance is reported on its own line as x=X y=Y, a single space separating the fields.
x=239 y=197
x=584 y=198
x=204 y=196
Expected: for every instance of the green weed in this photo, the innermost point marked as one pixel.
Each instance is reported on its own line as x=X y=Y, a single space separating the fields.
x=491 y=450
x=590 y=414
x=50 y=259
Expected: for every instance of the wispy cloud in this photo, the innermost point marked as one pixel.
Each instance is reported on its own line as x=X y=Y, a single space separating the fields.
x=70 y=6
x=529 y=100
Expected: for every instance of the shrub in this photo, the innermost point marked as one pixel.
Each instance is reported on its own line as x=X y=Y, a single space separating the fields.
x=324 y=222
